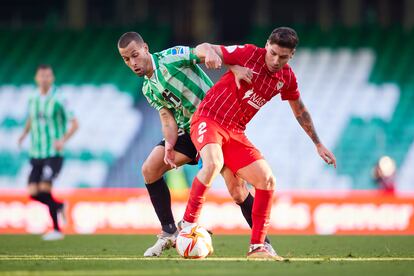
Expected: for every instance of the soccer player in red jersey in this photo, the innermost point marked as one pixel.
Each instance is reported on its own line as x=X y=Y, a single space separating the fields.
x=217 y=127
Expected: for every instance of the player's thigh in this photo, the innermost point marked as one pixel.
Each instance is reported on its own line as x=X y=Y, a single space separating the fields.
x=259 y=174
x=51 y=169
x=212 y=157
x=35 y=176
x=33 y=188
x=235 y=185
x=45 y=186
x=154 y=166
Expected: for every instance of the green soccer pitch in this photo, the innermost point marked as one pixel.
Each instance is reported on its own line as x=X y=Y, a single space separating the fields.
x=122 y=255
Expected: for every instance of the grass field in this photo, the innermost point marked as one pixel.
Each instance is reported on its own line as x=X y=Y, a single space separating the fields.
x=122 y=255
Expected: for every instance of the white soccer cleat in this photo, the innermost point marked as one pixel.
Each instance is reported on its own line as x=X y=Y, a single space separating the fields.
x=165 y=241
x=270 y=249
x=53 y=236
x=259 y=251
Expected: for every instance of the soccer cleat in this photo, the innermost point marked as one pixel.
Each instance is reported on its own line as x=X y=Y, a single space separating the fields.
x=259 y=251
x=269 y=248
x=165 y=241
x=53 y=236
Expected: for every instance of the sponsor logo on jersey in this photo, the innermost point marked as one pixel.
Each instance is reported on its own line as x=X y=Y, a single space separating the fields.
x=177 y=51
x=254 y=100
x=247 y=94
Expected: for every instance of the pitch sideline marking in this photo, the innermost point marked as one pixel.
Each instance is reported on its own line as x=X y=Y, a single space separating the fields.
x=224 y=259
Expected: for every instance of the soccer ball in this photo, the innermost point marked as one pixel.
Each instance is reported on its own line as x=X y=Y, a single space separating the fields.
x=194 y=242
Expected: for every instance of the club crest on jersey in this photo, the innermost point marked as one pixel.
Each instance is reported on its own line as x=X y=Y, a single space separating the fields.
x=279 y=85
x=177 y=51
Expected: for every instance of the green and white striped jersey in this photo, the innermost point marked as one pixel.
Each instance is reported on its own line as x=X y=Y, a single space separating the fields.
x=48 y=115
x=178 y=83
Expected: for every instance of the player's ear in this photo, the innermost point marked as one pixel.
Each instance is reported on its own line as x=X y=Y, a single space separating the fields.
x=145 y=46
x=293 y=53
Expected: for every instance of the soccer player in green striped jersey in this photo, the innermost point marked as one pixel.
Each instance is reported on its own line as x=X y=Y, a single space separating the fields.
x=46 y=123
x=174 y=84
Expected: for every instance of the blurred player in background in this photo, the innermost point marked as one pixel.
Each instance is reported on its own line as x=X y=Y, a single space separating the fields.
x=46 y=123
x=175 y=85
x=217 y=127
x=384 y=174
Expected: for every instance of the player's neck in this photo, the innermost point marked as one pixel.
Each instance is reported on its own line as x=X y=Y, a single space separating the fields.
x=150 y=70
x=44 y=90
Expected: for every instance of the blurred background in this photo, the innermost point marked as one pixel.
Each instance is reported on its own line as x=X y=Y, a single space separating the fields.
x=353 y=64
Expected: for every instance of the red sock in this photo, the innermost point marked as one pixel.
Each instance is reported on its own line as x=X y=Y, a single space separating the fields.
x=196 y=200
x=262 y=206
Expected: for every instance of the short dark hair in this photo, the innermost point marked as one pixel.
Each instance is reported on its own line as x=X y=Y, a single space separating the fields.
x=43 y=67
x=128 y=37
x=284 y=37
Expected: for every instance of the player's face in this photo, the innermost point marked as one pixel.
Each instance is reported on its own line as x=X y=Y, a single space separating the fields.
x=137 y=57
x=276 y=56
x=44 y=78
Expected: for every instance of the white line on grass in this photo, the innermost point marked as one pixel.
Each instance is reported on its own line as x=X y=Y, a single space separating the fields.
x=214 y=259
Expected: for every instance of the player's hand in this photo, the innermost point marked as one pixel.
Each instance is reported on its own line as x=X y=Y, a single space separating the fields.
x=169 y=155
x=212 y=60
x=242 y=73
x=59 y=145
x=326 y=155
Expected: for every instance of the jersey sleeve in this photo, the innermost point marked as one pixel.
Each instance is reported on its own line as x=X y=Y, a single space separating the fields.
x=154 y=104
x=291 y=92
x=237 y=54
x=180 y=56
x=146 y=90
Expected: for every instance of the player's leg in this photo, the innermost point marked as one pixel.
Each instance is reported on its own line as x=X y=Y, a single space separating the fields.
x=241 y=195
x=212 y=157
x=52 y=167
x=261 y=177
x=242 y=158
x=34 y=179
x=208 y=137
x=153 y=170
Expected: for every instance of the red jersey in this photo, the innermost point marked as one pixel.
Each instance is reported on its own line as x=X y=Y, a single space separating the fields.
x=233 y=108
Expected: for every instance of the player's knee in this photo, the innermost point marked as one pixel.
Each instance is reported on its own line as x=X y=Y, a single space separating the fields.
x=32 y=189
x=238 y=193
x=268 y=182
x=150 y=172
x=212 y=167
x=45 y=186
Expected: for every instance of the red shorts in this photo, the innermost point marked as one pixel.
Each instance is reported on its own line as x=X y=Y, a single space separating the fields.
x=238 y=151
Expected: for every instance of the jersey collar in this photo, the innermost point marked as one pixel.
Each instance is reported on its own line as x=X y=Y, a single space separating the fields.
x=154 y=61
x=49 y=93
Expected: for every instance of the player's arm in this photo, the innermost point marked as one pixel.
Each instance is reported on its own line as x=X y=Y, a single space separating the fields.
x=209 y=54
x=170 y=133
x=241 y=73
x=304 y=118
x=73 y=127
x=26 y=131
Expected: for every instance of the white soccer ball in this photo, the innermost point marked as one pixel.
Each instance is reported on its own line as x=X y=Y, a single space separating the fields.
x=194 y=242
